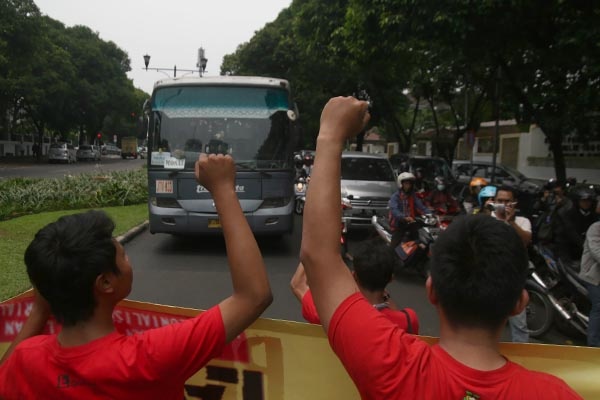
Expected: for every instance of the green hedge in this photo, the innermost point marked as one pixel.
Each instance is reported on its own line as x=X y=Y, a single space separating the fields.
x=21 y=196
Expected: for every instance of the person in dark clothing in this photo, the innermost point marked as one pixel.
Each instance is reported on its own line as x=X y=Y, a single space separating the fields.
x=570 y=226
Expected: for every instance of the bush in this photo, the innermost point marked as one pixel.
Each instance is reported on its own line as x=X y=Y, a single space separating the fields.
x=23 y=196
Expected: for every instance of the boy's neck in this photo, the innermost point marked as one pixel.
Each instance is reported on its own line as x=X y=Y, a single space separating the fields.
x=477 y=348
x=99 y=325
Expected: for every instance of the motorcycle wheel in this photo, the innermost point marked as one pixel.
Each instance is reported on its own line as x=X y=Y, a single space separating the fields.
x=299 y=207
x=540 y=313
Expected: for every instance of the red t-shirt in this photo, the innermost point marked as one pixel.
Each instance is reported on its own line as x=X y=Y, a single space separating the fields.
x=386 y=363
x=151 y=365
x=309 y=313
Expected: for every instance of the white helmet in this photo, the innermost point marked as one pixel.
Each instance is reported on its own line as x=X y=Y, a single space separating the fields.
x=405 y=176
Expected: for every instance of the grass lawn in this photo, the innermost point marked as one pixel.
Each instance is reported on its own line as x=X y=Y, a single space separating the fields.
x=17 y=233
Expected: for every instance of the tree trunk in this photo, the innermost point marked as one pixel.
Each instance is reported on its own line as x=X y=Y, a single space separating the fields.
x=435 y=148
x=555 y=142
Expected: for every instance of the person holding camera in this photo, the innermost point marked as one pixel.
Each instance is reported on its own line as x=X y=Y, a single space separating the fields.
x=503 y=208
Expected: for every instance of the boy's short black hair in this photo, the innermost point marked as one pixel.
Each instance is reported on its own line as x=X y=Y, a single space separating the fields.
x=373 y=264
x=478 y=271
x=64 y=259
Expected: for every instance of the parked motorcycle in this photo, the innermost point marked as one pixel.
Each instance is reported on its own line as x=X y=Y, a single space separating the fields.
x=300 y=187
x=413 y=253
x=556 y=295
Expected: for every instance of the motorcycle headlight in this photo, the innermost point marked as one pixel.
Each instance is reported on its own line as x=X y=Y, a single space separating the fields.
x=300 y=187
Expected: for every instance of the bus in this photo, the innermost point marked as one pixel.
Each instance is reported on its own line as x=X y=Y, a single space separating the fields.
x=253 y=119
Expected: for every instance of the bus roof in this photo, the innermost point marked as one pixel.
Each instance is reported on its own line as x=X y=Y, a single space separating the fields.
x=258 y=81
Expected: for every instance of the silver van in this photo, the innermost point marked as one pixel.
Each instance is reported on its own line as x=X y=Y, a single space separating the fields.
x=62 y=152
x=368 y=182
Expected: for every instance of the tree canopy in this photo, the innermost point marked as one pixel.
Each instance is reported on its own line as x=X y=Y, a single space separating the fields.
x=430 y=64
x=62 y=79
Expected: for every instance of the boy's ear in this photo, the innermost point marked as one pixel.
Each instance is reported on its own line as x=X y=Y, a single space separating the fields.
x=522 y=302
x=431 y=295
x=104 y=283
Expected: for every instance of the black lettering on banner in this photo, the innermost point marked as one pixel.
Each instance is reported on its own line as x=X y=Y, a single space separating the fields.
x=251 y=390
x=253 y=385
x=222 y=374
x=208 y=392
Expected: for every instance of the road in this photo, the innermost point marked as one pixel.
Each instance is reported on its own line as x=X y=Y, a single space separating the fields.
x=192 y=272
x=23 y=169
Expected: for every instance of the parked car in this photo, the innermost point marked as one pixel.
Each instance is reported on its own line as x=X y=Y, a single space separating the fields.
x=368 y=181
x=111 y=149
x=88 y=152
x=62 y=152
x=528 y=188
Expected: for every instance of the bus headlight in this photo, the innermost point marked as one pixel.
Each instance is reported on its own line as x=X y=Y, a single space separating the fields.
x=165 y=202
x=275 y=202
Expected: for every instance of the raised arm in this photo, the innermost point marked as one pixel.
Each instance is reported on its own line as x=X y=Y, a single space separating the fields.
x=299 y=283
x=251 y=290
x=330 y=280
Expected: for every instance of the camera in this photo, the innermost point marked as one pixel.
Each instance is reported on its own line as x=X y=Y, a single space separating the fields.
x=496 y=207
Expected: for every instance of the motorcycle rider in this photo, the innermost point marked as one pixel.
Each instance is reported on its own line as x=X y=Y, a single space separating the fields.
x=590 y=273
x=470 y=200
x=440 y=200
x=570 y=226
x=405 y=205
x=307 y=166
x=485 y=194
x=504 y=206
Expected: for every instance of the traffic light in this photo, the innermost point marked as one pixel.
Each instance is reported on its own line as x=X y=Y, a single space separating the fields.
x=99 y=135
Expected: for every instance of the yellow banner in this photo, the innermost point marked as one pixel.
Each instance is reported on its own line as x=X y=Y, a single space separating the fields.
x=277 y=359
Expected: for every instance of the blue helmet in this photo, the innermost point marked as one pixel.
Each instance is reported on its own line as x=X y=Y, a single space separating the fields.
x=485 y=193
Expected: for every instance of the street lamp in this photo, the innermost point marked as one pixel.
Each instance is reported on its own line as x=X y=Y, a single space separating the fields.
x=202 y=60
x=201 y=65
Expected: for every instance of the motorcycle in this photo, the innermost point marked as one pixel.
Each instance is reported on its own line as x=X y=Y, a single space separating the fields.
x=556 y=295
x=413 y=253
x=346 y=205
x=300 y=187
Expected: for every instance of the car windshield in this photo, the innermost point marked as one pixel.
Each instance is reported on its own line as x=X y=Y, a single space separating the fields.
x=366 y=169
x=58 y=146
x=84 y=147
x=250 y=124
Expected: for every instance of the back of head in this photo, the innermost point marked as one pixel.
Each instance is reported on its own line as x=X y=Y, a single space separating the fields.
x=373 y=264
x=478 y=271
x=64 y=260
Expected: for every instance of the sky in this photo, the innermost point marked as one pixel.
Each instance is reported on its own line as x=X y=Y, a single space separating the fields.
x=169 y=31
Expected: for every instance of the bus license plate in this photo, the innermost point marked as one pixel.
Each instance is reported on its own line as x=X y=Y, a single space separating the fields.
x=164 y=186
x=214 y=223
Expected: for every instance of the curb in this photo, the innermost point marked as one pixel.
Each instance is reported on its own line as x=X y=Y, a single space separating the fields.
x=133 y=232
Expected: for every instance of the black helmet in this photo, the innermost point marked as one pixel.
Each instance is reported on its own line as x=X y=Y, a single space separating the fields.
x=585 y=194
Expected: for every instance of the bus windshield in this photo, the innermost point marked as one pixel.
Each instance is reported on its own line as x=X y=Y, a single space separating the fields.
x=249 y=123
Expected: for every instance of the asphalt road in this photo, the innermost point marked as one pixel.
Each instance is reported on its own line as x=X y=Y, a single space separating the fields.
x=22 y=168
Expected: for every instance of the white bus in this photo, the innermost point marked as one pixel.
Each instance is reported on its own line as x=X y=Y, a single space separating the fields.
x=253 y=119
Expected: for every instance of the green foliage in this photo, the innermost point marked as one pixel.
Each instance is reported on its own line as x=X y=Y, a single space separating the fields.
x=447 y=54
x=22 y=196
x=17 y=233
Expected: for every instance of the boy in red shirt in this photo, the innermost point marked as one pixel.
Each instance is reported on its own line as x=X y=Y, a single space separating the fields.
x=478 y=272
x=373 y=268
x=80 y=273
